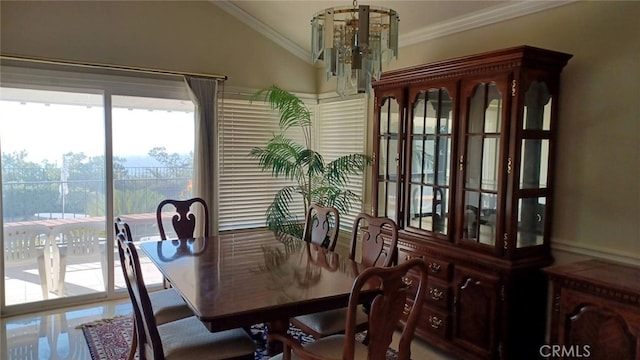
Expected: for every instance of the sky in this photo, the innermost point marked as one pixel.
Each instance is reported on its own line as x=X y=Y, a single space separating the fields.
x=47 y=131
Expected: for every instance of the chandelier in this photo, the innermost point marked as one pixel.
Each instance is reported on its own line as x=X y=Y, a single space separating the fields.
x=354 y=42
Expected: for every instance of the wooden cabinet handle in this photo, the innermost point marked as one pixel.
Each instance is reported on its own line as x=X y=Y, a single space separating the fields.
x=436 y=294
x=466 y=283
x=435 y=322
x=434 y=267
x=408 y=257
x=407 y=309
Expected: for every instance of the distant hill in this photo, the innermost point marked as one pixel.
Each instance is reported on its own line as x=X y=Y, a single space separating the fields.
x=140 y=161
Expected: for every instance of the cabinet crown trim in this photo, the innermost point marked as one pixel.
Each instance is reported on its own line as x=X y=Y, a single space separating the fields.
x=493 y=61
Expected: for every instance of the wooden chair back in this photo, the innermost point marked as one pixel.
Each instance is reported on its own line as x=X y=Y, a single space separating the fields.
x=184 y=218
x=322 y=226
x=149 y=342
x=121 y=228
x=396 y=302
x=379 y=248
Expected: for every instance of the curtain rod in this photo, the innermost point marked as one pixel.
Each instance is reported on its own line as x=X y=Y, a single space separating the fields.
x=108 y=66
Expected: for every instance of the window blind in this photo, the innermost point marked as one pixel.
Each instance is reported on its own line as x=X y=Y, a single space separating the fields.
x=340 y=130
x=246 y=191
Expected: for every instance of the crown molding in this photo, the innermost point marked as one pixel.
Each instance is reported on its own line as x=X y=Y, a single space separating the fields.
x=471 y=21
x=263 y=29
x=478 y=19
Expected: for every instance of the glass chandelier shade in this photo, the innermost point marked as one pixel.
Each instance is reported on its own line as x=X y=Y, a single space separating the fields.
x=354 y=42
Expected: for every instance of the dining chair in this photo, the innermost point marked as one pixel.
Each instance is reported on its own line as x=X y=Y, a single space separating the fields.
x=188 y=216
x=379 y=240
x=378 y=237
x=167 y=304
x=322 y=226
x=179 y=339
x=395 y=305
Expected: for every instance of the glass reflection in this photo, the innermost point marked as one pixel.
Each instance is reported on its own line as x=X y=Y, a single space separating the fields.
x=476 y=110
x=537 y=107
x=531 y=221
x=490 y=158
x=471 y=215
x=430 y=159
x=480 y=214
x=474 y=161
x=493 y=112
x=534 y=163
x=383 y=162
x=391 y=200
x=384 y=116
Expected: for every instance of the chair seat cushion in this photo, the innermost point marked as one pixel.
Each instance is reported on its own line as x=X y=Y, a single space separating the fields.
x=331 y=321
x=168 y=306
x=330 y=347
x=189 y=339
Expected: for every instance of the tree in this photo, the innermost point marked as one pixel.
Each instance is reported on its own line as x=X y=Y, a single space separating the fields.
x=316 y=181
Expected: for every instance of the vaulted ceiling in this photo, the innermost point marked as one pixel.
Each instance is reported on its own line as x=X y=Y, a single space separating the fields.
x=288 y=22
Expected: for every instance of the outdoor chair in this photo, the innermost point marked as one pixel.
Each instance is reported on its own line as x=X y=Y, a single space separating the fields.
x=167 y=304
x=24 y=249
x=80 y=243
x=378 y=249
x=396 y=304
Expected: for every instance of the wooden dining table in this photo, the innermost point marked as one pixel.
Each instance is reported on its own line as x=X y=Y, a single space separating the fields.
x=238 y=279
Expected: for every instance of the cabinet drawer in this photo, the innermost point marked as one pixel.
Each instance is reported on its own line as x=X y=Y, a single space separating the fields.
x=439 y=268
x=406 y=255
x=438 y=293
x=436 y=322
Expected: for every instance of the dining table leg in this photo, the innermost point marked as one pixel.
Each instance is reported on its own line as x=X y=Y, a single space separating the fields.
x=275 y=347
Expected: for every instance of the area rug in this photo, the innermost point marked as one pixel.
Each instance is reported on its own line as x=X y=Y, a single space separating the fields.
x=109 y=339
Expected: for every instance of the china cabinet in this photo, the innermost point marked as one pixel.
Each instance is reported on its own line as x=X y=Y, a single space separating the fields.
x=463 y=162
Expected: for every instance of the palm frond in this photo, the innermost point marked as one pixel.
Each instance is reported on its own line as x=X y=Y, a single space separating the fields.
x=279 y=217
x=341 y=199
x=338 y=171
x=293 y=111
x=313 y=161
x=280 y=156
x=316 y=181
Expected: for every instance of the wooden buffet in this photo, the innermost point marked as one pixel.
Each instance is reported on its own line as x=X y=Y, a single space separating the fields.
x=596 y=310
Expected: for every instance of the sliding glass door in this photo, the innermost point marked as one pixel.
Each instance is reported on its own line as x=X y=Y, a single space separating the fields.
x=153 y=146
x=77 y=150
x=53 y=194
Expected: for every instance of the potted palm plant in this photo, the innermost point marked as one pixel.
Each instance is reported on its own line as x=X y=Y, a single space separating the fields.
x=315 y=181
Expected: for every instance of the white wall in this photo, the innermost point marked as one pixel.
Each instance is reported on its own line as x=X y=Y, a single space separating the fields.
x=191 y=36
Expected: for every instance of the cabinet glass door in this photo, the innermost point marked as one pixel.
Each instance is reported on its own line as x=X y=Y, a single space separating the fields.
x=480 y=162
x=388 y=158
x=428 y=161
x=534 y=165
